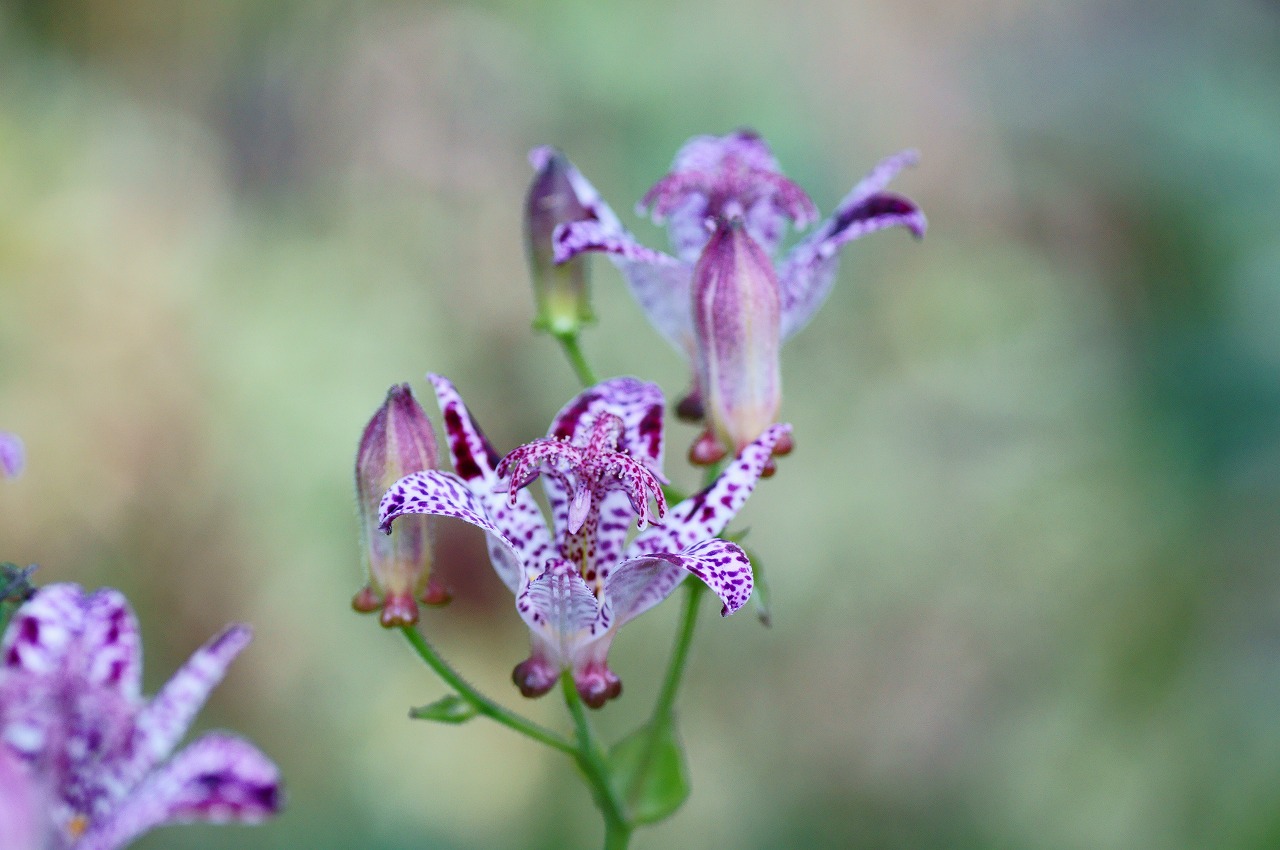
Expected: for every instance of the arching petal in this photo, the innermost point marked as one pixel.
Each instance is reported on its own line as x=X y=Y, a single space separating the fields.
x=165 y=719
x=473 y=455
x=112 y=643
x=705 y=514
x=807 y=272
x=640 y=583
x=43 y=630
x=219 y=778
x=516 y=544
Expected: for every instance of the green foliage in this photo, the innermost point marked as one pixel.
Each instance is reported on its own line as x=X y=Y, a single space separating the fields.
x=649 y=772
x=448 y=709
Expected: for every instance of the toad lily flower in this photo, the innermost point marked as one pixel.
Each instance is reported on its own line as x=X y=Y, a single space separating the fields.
x=725 y=299
x=71 y=712
x=578 y=581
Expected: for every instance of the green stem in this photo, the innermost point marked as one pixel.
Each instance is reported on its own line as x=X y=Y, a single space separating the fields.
x=666 y=701
x=569 y=342
x=482 y=703
x=590 y=758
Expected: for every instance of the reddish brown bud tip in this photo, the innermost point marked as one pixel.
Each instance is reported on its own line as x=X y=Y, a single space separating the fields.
x=435 y=594
x=706 y=450
x=534 y=677
x=399 y=611
x=769 y=469
x=784 y=446
x=690 y=409
x=366 y=601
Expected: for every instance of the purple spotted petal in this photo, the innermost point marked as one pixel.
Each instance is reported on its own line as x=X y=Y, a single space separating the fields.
x=41 y=632
x=705 y=514
x=640 y=583
x=560 y=607
x=112 y=643
x=473 y=455
x=12 y=455
x=808 y=271
x=218 y=778
x=515 y=545
x=637 y=403
x=165 y=719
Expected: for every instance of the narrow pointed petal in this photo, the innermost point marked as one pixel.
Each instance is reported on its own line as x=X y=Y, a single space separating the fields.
x=560 y=607
x=808 y=271
x=112 y=643
x=514 y=541
x=473 y=455
x=218 y=778
x=165 y=719
x=705 y=514
x=12 y=454
x=638 y=584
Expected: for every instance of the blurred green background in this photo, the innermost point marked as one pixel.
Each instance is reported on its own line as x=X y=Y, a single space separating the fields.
x=1025 y=556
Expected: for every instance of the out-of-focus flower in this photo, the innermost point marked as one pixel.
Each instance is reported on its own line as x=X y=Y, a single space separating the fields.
x=577 y=581
x=726 y=194
x=23 y=809
x=12 y=455
x=72 y=712
x=397 y=441
x=557 y=195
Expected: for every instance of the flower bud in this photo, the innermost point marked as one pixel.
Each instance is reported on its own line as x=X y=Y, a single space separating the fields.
x=397 y=441
x=737 y=324
x=563 y=302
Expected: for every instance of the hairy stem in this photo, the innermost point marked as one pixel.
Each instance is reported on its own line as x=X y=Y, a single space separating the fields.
x=590 y=758
x=483 y=705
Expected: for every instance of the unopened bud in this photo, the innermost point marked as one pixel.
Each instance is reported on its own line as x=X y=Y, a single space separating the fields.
x=737 y=324
x=560 y=291
x=397 y=441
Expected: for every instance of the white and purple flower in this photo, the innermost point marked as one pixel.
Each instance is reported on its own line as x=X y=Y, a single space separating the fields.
x=727 y=206
x=71 y=712
x=577 y=581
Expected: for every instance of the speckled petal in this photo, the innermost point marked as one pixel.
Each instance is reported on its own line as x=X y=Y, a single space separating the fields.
x=112 y=643
x=165 y=719
x=638 y=584
x=808 y=271
x=516 y=547
x=42 y=631
x=473 y=455
x=12 y=454
x=218 y=779
x=705 y=514
x=560 y=607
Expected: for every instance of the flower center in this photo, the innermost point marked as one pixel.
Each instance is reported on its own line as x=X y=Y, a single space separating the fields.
x=586 y=468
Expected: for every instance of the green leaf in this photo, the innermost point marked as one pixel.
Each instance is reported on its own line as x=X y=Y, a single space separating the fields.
x=649 y=772
x=448 y=709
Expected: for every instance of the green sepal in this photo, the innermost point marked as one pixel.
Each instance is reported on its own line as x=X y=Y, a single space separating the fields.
x=448 y=709
x=649 y=773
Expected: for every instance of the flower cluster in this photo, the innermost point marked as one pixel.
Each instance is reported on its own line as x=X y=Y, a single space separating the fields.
x=576 y=580
x=84 y=759
x=726 y=299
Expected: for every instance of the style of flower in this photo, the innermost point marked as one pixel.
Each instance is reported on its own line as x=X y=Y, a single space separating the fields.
x=727 y=206
x=12 y=455
x=72 y=713
x=578 y=581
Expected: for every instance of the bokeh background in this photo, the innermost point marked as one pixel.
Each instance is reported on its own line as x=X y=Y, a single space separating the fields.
x=1024 y=560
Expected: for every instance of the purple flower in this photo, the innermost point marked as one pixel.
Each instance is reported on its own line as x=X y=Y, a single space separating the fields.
x=726 y=196
x=72 y=711
x=577 y=581
x=23 y=822
x=12 y=455
x=397 y=441
x=560 y=290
